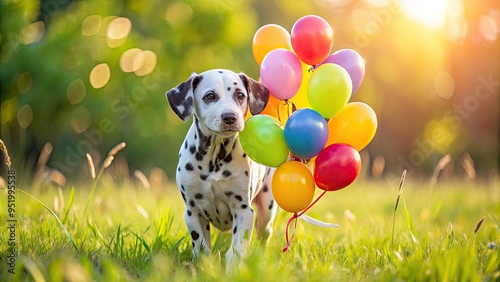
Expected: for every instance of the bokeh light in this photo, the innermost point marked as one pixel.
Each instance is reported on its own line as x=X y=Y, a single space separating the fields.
x=91 y=25
x=32 y=33
x=25 y=116
x=118 y=30
x=24 y=82
x=144 y=63
x=127 y=60
x=444 y=84
x=99 y=75
x=178 y=13
x=80 y=119
x=76 y=91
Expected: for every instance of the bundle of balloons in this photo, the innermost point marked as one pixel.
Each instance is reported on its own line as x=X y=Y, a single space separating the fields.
x=308 y=123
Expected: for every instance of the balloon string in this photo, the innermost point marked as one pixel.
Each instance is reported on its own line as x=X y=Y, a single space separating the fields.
x=295 y=216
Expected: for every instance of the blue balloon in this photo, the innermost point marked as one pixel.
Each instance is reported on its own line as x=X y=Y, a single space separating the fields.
x=306 y=133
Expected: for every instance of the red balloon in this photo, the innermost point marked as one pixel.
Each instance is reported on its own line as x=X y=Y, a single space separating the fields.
x=336 y=166
x=312 y=39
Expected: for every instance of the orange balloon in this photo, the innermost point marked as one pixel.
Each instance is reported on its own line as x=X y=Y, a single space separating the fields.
x=300 y=99
x=355 y=125
x=293 y=186
x=268 y=38
x=271 y=107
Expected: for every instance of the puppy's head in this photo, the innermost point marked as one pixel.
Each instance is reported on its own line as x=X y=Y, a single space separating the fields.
x=219 y=99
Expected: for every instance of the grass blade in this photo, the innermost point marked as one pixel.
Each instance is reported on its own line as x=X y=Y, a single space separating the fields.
x=54 y=215
x=70 y=204
x=400 y=191
x=409 y=222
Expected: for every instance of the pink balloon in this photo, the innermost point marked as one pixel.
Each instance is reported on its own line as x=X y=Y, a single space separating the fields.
x=281 y=73
x=352 y=62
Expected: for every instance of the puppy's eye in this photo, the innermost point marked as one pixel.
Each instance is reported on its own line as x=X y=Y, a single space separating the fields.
x=210 y=97
x=240 y=96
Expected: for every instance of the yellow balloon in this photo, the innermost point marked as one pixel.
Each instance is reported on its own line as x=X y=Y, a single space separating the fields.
x=293 y=186
x=355 y=125
x=268 y=38
x=300 y=99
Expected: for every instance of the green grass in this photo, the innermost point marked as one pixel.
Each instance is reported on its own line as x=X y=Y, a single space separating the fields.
x=131 y=233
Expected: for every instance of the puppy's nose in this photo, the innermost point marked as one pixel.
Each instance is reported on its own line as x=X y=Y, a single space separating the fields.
x=229 y=118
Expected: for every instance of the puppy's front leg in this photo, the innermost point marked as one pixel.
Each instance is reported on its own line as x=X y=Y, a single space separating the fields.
x=242 y=233
x=199 y=231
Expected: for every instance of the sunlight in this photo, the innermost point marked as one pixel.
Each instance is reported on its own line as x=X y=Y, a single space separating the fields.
x=431 y=13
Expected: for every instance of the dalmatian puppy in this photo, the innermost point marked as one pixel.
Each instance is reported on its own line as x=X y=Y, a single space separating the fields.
x=217 y=180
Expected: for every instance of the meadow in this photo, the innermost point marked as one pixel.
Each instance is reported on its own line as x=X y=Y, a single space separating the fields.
x=112 y=229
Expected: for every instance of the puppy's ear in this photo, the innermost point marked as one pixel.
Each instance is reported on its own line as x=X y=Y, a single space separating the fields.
x=180 y=98
x=258 y=94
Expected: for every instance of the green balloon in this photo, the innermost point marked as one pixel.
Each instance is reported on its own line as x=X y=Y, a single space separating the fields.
x=263 y=140
x=329 y=89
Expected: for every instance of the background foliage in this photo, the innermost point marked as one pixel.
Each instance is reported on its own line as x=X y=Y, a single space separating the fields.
x=425 y=63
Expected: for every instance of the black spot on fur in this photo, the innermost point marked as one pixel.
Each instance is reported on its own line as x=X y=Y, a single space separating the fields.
x=210 y=219
x=208 y=227
x=192 y=149
x=239 y=198
x=195 y=136
x=221 y=72
x=229 y=89
x=265 y=189
x=235 y=83
x=192 y=244
x=189 y=213
x=226 y=141
x=222 y=153
x=185 y=144
x=271 y=205
x=198 y=196
x=198 y=156
x=235 y=229
x=182 y=187
x=226 y=173
x=183 y=197
x=206 y=213
x=246 y=172
x=229 y=193
x=195 y=235
x=199 y=167
x=228 y=158
x=244 y=206
x=226 y=222
x=211 y=166
x=204 y=177
x=235 y=216
x=218 y=220
x=217 y=210
x=191 y=203
x=244 y=155
x=189 y=166
x=178 y=168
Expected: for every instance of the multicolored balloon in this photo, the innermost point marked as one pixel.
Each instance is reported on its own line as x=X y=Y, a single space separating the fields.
x=281 y=73
x=336 y=167
x=312 y=39
x=329 y=89
x=268 y=38
x=264 y=141
x=355 y=125
x=293 y=186
x=352 y=62
x=306 y=133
